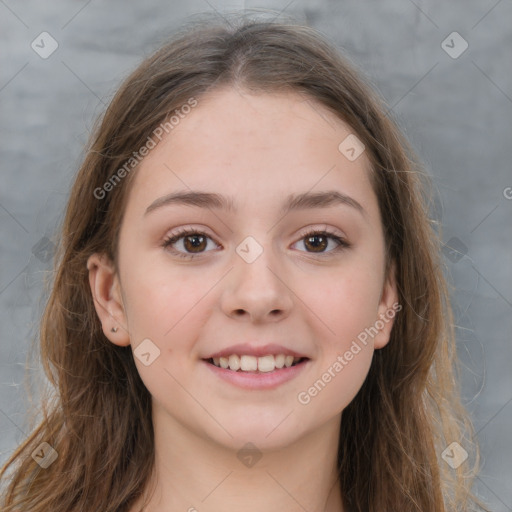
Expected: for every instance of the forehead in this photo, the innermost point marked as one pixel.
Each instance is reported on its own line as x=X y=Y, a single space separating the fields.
x=254 y=147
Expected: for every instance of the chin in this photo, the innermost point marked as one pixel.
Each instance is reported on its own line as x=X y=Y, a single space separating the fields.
x=266 y=432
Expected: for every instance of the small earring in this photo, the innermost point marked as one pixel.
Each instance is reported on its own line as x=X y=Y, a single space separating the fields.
x=114 y=329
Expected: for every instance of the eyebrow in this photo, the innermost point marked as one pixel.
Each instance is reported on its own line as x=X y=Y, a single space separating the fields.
x=306 y=200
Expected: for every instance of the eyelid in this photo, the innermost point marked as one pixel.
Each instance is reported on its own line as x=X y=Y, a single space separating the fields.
x=322 y=228
x=187 y=230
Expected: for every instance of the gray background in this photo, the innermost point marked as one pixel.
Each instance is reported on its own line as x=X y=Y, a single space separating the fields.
x=457 y=113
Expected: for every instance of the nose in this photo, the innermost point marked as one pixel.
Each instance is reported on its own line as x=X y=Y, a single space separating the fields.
x=258 y=291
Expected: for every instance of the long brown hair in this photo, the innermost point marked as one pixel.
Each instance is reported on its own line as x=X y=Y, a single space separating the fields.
x=98 y=415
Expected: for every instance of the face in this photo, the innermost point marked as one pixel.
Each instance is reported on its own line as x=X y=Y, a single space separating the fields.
x=196 y=278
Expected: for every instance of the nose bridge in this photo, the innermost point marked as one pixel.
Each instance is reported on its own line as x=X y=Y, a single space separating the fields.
x=256 y=286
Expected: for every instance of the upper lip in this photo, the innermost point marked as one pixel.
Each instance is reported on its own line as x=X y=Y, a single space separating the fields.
x=246 y=349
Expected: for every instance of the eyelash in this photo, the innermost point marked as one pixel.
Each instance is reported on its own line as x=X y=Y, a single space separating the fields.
x=342 y=243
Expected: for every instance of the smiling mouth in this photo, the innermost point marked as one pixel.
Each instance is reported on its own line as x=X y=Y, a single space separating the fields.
x=251 y=364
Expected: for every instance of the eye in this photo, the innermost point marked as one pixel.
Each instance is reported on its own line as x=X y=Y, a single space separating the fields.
x=318 y=241
x=192 y=240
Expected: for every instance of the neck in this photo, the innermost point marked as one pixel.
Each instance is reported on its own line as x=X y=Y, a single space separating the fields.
x=193 y=473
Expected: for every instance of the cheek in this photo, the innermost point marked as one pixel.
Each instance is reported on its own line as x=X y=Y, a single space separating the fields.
x=163 y=305
x=346 y=306
x=347 y=303
x=336 y=383
x=168 y=310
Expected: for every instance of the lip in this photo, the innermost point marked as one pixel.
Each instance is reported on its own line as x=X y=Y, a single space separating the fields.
x=258 y=381
x=246 y=349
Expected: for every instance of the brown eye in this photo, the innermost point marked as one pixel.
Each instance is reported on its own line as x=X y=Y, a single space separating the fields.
x=317 y=243
x=188 y=242
x=194 y=243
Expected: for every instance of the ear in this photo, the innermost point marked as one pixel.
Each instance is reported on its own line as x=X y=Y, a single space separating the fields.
x=106 y=293
x=387 y=310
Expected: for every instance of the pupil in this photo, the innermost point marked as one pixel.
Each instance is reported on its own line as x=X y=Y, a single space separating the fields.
x=198 y=240
x=316 y=245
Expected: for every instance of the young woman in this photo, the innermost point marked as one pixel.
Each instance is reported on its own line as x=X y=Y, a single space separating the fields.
x=248 y=311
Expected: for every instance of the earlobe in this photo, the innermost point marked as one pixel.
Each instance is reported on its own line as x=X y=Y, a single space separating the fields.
x=387 y=310
x=106 y=294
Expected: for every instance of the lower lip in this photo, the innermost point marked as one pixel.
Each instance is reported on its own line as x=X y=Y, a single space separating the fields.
x=263 y=380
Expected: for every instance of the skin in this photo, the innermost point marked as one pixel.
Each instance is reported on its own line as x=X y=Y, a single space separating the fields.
x=257 y=148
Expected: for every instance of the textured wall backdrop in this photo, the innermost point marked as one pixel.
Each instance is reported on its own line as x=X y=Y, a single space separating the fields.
x=441 y=67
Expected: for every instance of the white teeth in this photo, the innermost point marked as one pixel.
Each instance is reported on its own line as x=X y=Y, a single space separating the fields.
x=251 y=363
x=234 y=362
x=248 y=363
x=280 y=360
x=266 y=364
